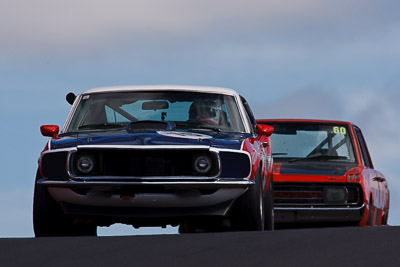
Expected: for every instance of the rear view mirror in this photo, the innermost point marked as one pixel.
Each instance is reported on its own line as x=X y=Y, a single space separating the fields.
x=263 y=129
x=49 y=130
x=155 y=105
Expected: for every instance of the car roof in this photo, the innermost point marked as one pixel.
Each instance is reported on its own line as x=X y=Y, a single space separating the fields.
x=188 y=88
x=304 y=120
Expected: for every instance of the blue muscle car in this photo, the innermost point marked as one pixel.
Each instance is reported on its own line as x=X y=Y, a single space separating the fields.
x=155 y=156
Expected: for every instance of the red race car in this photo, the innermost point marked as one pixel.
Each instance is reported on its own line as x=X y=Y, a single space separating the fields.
x=323 y=174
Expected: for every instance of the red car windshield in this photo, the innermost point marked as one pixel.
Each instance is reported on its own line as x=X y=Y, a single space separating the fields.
x=312 y=142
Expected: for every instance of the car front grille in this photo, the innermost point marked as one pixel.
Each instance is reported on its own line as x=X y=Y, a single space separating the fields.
x=143 y=163
x=313 y=194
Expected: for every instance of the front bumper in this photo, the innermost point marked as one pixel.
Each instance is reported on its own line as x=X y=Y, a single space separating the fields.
x=318 y=214
x=146 y=199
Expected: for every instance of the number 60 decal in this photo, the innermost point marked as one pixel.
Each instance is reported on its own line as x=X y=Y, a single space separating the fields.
x=339 y=130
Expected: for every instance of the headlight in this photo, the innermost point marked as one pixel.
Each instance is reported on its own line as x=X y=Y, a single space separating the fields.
x=85 y=164
x=335 y=195
x=202 y=164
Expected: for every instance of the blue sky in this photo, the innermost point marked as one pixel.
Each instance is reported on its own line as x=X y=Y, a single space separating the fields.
x=290 y=59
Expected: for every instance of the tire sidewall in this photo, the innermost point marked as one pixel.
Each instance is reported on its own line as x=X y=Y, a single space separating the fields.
x=269 y=223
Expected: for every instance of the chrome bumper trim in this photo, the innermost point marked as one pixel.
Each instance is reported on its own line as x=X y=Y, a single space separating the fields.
x=319 y=208
x=173 y=184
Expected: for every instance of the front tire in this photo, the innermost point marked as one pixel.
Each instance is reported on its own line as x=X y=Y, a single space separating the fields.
x=269 y=207
x=50 y=220
x=370 y=221
x=249 y=210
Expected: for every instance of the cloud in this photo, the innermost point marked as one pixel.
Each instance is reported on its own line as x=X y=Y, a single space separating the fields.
x=312 y=102
x=81 y=26
x=378 y=114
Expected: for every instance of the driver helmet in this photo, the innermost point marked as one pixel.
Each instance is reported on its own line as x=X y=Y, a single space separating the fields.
x=204 y=111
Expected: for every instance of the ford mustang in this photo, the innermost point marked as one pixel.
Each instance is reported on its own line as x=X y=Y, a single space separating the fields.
x=155 y=156
x=323 y=174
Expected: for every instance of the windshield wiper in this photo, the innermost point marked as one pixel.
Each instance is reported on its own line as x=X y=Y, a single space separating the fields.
x=102 y=126
x=208 y=128
x=318 y=157
x=192 y=125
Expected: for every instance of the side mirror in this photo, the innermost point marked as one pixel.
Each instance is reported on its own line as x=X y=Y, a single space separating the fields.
x=263 y=129
x=70 y=97
x=49 y=130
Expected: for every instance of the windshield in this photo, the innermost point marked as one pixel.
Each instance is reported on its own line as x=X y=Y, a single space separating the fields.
x=187 y=110
x=296 y=142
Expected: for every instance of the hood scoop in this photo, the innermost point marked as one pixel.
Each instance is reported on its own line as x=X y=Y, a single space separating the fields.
x=150 y=126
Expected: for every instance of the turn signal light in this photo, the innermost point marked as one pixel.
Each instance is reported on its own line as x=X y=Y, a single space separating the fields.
x=353 y=177
x=350 y=178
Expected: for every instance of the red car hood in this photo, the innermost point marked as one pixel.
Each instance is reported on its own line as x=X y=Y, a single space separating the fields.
x=311 y=171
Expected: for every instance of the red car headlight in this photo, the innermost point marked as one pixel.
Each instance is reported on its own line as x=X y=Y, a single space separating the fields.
x=335 y=195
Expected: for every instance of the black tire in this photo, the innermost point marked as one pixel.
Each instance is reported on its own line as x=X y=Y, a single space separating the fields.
x=204 y=225
x=248 y=214
x=269 y=218
x=185 y=228
x=369 y=219
x=50 y=220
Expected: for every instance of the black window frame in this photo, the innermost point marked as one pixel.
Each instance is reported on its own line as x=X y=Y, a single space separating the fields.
x=249 y=114
x=362 y=146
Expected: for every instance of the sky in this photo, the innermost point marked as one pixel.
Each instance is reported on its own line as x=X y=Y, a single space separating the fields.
x=317 y=59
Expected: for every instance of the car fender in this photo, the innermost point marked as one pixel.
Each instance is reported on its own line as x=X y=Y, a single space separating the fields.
x=258 y=161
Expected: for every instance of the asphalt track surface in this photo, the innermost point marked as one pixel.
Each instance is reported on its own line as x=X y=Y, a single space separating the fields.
x=349 y=246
